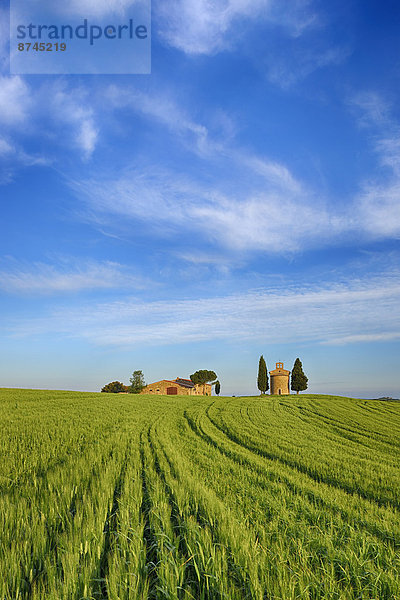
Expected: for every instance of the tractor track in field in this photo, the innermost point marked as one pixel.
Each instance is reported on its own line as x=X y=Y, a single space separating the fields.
x=153 y=559
x=109 y=531
x=193 y=580
x=346 y=432
x=310 y=472
x=177 y=520
x=336 y=437
x=149 y=539
x=202 y=517
x=236 y=456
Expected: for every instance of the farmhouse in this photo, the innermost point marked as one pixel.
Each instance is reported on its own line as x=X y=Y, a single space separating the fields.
x=280 y=380
x=180 y=387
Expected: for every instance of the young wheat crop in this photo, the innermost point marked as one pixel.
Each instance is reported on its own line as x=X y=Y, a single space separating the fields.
x=115 y=497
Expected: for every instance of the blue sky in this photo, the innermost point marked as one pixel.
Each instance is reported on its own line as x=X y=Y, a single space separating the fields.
x=243 y=199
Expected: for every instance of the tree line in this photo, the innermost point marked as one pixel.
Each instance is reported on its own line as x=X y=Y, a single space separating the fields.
x=137 y=381
x=298 y=380
x=137 y=384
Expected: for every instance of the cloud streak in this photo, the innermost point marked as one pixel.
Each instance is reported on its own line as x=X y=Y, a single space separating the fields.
x=163 y=109
x=265 y=217
x=356 y=311
x=15 y=100
x=73 y=108
x=272 y=213
x=379 y=200
x=247 y=202
x=286 y=69
x=46 y=279
x=24 y=109
x=204 y=27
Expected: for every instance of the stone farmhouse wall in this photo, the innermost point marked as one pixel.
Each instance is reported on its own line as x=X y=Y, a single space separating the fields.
x=172 y=388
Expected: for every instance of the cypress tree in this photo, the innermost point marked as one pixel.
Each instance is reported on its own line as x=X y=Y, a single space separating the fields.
x=217 y=387
x=299 y=382
x=262 y=379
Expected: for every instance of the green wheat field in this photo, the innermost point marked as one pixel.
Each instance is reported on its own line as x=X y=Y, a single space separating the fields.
x=107 y=496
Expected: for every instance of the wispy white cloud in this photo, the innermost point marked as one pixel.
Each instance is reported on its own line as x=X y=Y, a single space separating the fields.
x=163 y=109
x=13 y=156
x=378 y=202
x=222 y=262
x=65 y=277
x=364 y=338
x=268 y=222
x=274 y=173
x=370 y=108
x=379 y=209
x=266 y=217
x=354 y=311
x=15 y=100
x=24 y=109
x=207 y=28
x=287 y=69
x=8 y=150
x=86 y=137
x=204 y=27
x=274 y=213
x=5 y=148
x=257 y=203
x=388 y=149
x=73 y=107
x=250 y=202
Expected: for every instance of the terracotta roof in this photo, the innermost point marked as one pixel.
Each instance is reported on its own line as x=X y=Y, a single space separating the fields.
x=279 y=372
x=181 y=382
x=184 y=382
x=160 y=381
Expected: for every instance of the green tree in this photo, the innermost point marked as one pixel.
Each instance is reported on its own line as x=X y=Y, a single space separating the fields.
x=115 y=387
x=137 y=382
x=202 y=377
x=217 y=387
x=299 y=382
x=262 y=379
